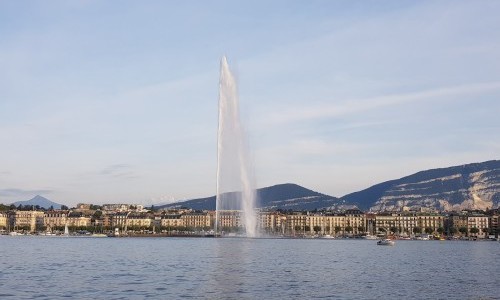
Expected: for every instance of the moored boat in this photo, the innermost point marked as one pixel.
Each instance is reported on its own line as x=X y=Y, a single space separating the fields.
x=386 y=242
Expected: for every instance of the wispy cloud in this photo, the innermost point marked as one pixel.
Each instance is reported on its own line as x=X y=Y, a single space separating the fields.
x=22 y=193
x=119 y=171
x=348 y=107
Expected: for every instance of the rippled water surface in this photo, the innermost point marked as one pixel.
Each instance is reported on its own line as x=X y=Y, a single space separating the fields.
x=224 y=268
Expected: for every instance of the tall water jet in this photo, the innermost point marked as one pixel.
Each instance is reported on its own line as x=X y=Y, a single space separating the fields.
x=235 y=189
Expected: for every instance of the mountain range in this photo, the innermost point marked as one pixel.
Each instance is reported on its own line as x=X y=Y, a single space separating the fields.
x=470 y=186
x=40 y=201
x=287 y=196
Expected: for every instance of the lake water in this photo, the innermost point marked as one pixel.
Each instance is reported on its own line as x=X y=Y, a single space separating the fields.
x=232 y=268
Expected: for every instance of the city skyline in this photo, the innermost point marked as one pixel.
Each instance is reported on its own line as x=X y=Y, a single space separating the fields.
x=108 y=103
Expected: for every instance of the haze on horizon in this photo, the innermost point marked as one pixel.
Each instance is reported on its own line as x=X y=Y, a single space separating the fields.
x=107 y=101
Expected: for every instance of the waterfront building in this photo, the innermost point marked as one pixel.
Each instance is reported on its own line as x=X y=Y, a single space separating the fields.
x=384 y=222
x=493 y=222
x=107 y=219
x=119 y=219
x=405 y=223
x=172 y=221
x=139 y=220
x=229 y=219
x=78 y=219
x=55 y=219
x=335 y=224
x=3 y=221
x=295 y=223
x=270 y=221
x=30 y=220
x=314 y=223
x=477 y=225
x=355 y=221
x=197 y=219
x=430 y=221
x=116 y=207
x=457 y=222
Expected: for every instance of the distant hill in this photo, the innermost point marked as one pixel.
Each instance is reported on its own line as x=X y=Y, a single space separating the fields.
x=281 y=196
x=39 y=200
x=471 y=186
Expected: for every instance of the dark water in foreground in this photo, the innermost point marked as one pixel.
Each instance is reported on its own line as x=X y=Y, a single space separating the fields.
x=171 y=268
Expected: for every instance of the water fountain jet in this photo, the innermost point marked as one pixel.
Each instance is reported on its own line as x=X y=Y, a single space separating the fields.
x=235 y=189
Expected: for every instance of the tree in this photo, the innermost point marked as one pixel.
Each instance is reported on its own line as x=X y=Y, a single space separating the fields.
x=337 y=229
x=361 y=229
x=486 y=230
x=453 y=230
x=307 y=228
x=463 y=230
x=349 y=229
x=317 y=228
x=417 y=230
x=64 y=207
x=429 y=230
x=440 y=230
x=382 y=229
x=393 y=229
x=297 y=228
x=474 y=230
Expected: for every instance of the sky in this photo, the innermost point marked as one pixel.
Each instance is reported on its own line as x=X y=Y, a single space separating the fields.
x=116 y=101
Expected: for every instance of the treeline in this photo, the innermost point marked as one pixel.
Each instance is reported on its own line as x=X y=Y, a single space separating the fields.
x=21 y=207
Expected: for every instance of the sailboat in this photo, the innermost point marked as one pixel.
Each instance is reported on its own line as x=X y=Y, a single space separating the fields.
x=66 y=230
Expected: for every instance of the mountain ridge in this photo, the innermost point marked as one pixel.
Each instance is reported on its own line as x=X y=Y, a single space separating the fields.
x=468 y=186
x=40 y=201
x=279 y=196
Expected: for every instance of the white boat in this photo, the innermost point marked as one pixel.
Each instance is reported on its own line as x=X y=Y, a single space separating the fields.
x=66 y=230
x=327 y=236
x=369 y=237
x=386 y=242
x=99 y=235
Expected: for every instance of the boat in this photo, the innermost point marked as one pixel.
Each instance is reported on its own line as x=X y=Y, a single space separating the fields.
x=99 y=235
x=369 y=237
x=386 y=242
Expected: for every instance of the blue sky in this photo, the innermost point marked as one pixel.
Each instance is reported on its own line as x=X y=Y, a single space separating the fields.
x=116 y=101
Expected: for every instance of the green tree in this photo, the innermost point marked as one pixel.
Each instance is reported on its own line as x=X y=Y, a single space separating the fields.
x=440 y=230
x=393 y=229
x=64 y=207
x=453 y=230
x=429 y=230
x=361 y=229
x=317 y=228
x=297 y=228
x=307 y=228
x=417 y=230
x=474 y=230
x=337 y=229
x=463 y=230
x=349 y=229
